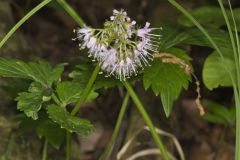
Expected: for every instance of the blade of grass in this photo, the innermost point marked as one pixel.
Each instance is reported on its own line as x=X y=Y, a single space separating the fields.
x=71 y=12
x=233 y=41
x=237 y=154
x=236 y=32
x=23 y=20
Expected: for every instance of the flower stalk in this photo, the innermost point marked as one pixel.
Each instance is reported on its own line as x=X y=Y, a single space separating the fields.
x=110 y=145
x=45 y=148
x=147 y=120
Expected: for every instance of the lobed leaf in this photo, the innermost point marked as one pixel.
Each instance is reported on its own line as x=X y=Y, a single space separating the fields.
x=69 y=92
x=44 y=127
x=51 y=131
x=31 y=102
x=167 y=80
x=69 y=122
x=41 y=71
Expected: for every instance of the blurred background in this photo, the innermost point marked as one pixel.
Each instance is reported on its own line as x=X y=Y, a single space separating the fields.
x=48 y=35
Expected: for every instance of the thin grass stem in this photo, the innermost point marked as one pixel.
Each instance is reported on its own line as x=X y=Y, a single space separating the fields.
x=237 y=98
x=110 y=145
x=71 y=12
x=23 y=20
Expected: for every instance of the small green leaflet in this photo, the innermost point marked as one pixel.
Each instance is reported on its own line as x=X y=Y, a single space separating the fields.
x=167 y=80
x=69 y=92
x=215 y=73
x=83 y=71
x=31 y=102
x=220 y=114
x=41 y=71
x=71 y=123
x=51 y=131
x=44 y=127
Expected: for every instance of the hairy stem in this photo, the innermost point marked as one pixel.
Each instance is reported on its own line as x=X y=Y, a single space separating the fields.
x=24 y=19
x=45 y=148
x=108 y=150
x=71 y=12
x=147 y=120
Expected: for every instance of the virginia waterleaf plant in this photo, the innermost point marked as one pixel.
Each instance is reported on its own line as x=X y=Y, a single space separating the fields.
x=122 y=49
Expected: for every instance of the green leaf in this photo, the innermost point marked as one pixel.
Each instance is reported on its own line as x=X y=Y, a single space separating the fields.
x=41 y=71
x=214 y=119
x=83 y=72
x=174 y=34
x=167 y=80
x=69 y=92
x=44 y=127
x=31 y=102
x=69 y=122
x=26 y=123
x=221 y=111
x=214 y=18
x=215 y=73
x=51 y=131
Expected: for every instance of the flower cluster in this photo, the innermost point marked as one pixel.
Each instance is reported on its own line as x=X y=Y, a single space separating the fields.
x=120 y=47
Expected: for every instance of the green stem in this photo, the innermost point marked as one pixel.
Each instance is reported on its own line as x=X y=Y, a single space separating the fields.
x=24 y=19
x=147 y=120
x=235 y=46
x=45 y=148
x=56 y=100
x=69 y=144
x=108 y=150
x=237 y=152
x=71 y=12
x=78 y=106
x=86 y=90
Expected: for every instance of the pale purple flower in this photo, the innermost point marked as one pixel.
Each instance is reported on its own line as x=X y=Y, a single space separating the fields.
x=120 y=47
